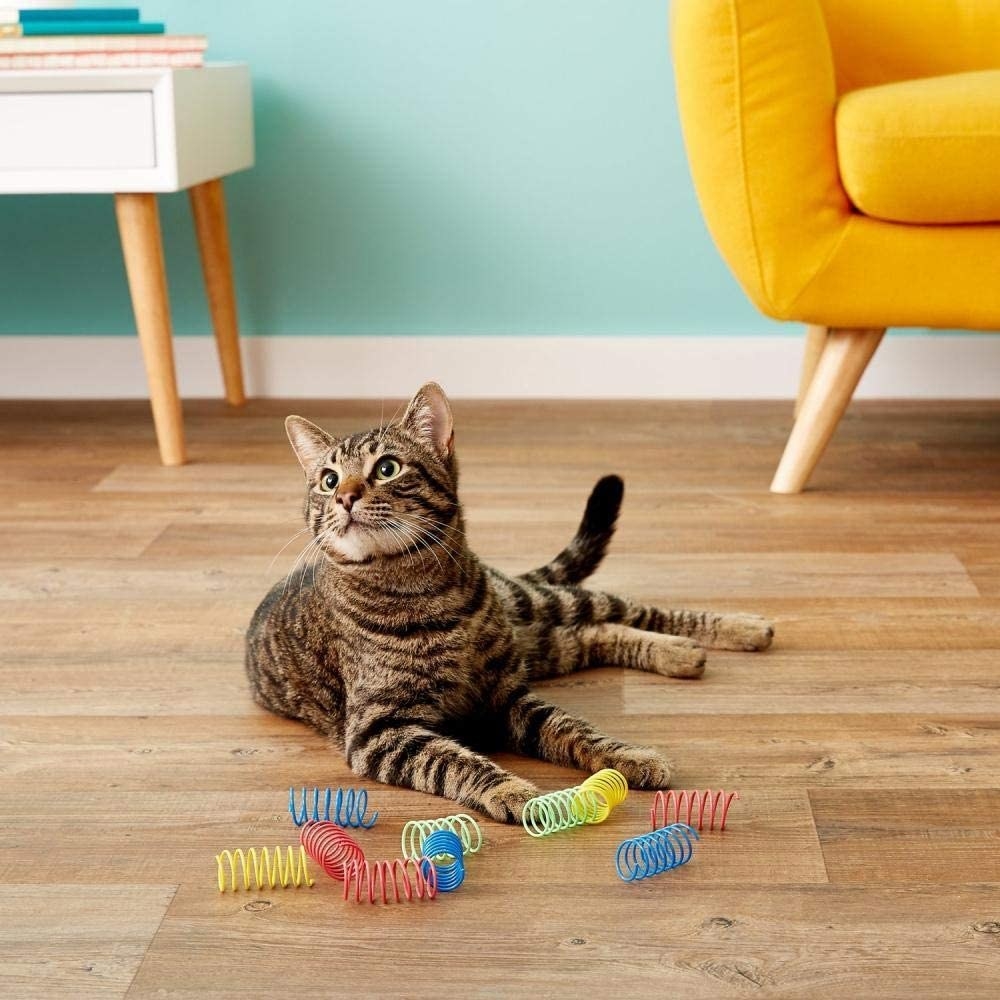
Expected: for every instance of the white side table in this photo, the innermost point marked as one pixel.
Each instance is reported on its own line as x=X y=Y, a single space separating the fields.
x=134 y=133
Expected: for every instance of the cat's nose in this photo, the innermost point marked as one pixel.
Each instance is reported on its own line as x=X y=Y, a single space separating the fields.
x=350 y=492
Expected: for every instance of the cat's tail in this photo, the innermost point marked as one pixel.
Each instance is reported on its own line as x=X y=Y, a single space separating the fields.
x=583 y=554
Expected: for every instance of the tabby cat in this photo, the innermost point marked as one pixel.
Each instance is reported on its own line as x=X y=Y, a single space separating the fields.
x=415 y=658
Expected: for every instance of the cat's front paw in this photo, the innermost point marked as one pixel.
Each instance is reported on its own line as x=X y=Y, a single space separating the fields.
x=643 y=767
x=744 y=633
x=505 y=801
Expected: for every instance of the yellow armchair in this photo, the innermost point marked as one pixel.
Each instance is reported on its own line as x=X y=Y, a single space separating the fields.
x=846 y=155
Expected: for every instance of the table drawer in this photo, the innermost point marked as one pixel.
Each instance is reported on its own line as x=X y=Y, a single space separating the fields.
x=77 y=131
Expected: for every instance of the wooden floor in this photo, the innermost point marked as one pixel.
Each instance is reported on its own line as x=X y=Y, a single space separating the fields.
x=862 y=860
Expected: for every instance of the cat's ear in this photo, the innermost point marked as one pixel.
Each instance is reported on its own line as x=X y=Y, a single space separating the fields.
x=310 y=443
x=428 y=418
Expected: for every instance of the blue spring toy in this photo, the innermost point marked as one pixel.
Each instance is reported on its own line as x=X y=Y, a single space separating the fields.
x=348 y=808
x=443 y=844
x=652 y=853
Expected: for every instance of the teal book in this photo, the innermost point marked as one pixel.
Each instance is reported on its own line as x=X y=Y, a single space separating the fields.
x=80 y=14
x=32 y=28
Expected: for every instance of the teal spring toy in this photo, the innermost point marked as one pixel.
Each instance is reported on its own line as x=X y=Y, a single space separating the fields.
x=416 y=831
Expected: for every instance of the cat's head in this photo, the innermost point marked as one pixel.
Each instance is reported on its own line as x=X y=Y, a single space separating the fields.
x=385 y=491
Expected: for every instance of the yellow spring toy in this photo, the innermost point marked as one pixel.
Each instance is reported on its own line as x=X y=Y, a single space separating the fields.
x=586 y=803
x=259 y=868
x=611 y=786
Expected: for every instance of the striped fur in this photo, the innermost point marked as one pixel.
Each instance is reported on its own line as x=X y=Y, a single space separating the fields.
x=590 y=543
x=415 y=658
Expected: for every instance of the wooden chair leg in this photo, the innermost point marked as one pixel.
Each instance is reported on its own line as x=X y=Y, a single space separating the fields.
x=815 y=342
x=838 y=372
x=142 y=247
x=208 y=205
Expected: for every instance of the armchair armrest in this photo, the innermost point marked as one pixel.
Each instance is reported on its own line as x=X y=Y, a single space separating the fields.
x=756 y=91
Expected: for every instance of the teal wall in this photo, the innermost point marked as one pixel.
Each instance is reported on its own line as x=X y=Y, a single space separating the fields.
x=423 y=166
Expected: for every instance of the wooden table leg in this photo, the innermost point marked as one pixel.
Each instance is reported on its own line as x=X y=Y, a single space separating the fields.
x=208 y=205
x=139 y=227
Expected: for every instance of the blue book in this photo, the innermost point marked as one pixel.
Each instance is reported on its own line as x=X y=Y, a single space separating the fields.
x=80 y=14
x=35 y=28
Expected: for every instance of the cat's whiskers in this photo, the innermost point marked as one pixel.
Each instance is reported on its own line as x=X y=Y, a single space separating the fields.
x=407 y=532
x=301 y=531
x=437 y=525
x=431 y=520
x=382 y=520
x=406 y=540
x=314 y=558
x=294 y=569
x=430 y=540
x=317 y=555
x=314 y=543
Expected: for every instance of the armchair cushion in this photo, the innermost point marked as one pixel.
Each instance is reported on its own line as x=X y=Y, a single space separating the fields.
x=923 y=151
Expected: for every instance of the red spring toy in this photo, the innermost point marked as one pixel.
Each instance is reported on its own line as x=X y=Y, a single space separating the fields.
x=691 y=807
x=373 y=879
x=331 y=848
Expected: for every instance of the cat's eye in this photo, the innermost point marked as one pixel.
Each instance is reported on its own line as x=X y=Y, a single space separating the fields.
x=387 y=468
x=328 y=481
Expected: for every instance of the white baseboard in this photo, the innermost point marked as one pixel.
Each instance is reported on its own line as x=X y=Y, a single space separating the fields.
x=963 y=366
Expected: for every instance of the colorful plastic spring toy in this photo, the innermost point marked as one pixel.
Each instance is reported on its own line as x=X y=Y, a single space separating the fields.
x=691 y=807
x=260 y=869
x=561 y=810
x=443 y=851
x=417 y=830
x=331 y=847
x=652 y=853
x=589 y=802
x=372 y=880
x=349 y=808
x=611 y=786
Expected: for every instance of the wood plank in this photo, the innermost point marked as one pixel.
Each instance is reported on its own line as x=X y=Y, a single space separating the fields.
x=76 y=940
x=983 y=570
x=816 y=681
x=698 y=578
x=870 y=624
x=133 y=684
x=113 y=580
x=251 y=749
x=132 y=626
x=756 y=576
x=75 y=538
x=928 y=750
x=202 y=478
x=909 y=835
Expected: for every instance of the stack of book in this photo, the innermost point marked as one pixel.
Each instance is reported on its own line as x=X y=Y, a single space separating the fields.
x=91 y=37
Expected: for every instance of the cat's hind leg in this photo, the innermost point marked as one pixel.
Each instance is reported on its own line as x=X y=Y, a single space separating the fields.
x=742 y=632
x=569 y=649
x=536 y=608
